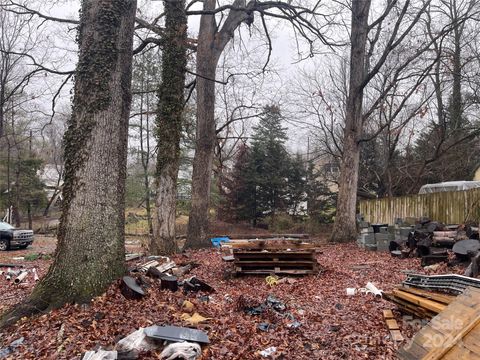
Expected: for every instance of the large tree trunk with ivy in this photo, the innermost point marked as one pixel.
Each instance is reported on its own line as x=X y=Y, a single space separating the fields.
x=345 y=229
x=211 y=43
x=90 y=251
x=169 y=126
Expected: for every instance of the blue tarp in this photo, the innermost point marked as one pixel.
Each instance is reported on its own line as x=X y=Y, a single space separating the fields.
x=216 y=241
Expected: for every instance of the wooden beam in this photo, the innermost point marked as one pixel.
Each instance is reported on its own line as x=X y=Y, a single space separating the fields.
x=431 y=305
x=441 y=298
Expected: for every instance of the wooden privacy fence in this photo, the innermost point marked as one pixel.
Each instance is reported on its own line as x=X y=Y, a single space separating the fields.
x=451 y=207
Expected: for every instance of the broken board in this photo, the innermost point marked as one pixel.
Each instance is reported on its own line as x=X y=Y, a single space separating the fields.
x=392 y=325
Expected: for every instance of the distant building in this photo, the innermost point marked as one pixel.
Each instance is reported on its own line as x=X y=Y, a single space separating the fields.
x=52 y=177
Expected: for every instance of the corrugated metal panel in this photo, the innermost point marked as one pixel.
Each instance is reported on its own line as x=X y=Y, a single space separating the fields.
x=453 y=207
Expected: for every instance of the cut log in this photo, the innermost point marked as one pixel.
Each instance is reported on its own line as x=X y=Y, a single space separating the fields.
x=170 y=283
x=130 y=289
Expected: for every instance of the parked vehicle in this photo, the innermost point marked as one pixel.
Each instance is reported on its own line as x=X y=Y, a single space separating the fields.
x=14 y=238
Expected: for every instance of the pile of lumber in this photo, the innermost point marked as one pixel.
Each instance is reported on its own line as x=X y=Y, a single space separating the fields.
x=453 y=334
x=273 y=256
x=419 y=302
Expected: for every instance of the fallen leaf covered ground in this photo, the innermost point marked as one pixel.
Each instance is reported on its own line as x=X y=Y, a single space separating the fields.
x=332 y=324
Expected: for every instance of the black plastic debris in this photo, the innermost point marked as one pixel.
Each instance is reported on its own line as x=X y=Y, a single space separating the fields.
x=271 y=302
x=276 y=304
x=194 y=284
x=265 y=326
x=130 y=289
x=255 y=310
x=176 y=334
x=169 y=282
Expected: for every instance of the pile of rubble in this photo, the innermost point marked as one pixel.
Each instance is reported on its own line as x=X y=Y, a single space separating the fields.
x=432 y=241
x=177 y=342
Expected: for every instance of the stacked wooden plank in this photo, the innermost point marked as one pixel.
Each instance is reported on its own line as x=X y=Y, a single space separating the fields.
x=453 y=334
x=418 y=302
x=273 y=256
x=393 y=327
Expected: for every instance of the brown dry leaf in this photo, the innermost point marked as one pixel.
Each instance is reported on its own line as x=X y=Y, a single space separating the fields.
x=194 y=319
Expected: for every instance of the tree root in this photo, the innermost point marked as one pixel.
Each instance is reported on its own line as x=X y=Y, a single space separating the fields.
x=33 y=305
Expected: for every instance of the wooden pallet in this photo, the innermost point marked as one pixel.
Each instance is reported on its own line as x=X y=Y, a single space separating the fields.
x=293 y=262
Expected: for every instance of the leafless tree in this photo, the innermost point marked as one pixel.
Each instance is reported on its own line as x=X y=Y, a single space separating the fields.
x=217 y=29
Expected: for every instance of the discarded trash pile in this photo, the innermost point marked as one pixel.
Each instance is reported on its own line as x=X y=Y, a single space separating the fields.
x=178 y=342
x=181 y=343
x=320 y=320
x=424 y=238
x=19 y=275
x=453 y=334
x=273 y=256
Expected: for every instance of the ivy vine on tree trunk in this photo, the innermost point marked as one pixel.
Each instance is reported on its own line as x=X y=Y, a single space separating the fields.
x=91 y=251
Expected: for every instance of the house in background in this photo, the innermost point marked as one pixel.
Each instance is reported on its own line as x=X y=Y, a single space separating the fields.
x=52 y=177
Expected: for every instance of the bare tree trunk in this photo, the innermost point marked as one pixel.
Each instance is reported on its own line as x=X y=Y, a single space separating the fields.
x=90 y=252
x=16 y=207
x=145 y=155
x=169 y=126
x=204 y=150
x=456 y=108
x=207 y=59
x=344 y=229
x=29 y=214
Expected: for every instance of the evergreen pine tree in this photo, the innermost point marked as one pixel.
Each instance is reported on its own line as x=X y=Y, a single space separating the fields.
x=269 y=163
x=239 y=201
